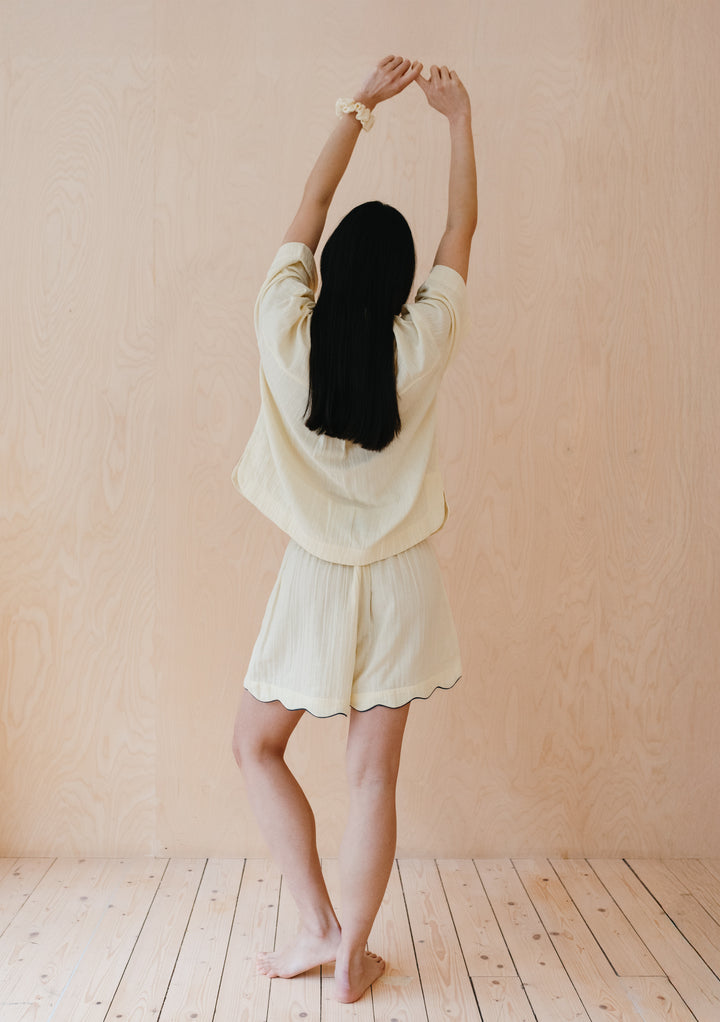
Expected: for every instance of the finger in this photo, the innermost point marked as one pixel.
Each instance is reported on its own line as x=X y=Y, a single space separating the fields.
x=386 y=60
x=403 y=82
x=424 y=83
x=411 y=72
x=444 y=72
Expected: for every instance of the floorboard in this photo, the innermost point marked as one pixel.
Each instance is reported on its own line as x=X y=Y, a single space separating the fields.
x=97 y=940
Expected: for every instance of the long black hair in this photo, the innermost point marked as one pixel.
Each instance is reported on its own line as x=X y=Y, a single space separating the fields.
x=367 y=268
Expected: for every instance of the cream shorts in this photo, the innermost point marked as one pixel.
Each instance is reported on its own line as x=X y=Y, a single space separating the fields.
x=336 y=636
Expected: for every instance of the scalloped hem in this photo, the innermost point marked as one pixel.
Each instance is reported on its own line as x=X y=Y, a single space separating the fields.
x=291 y=701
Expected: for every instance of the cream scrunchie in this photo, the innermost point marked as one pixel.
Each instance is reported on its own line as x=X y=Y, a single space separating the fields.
x=349 y=106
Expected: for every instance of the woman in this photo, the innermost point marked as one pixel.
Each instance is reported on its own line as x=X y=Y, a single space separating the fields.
x=344 y=459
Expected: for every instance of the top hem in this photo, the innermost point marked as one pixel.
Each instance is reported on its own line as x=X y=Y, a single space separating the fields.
x=354 y=556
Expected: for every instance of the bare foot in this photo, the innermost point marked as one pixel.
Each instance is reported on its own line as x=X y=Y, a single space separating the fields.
x=308 y=951
x=353 y=978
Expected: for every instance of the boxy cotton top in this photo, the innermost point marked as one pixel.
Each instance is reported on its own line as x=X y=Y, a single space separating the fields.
x=341 y=502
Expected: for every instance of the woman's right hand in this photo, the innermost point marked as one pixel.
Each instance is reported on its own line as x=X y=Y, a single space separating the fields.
x=445 y=92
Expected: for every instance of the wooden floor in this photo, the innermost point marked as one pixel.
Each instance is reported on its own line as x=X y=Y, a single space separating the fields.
x=174 y=940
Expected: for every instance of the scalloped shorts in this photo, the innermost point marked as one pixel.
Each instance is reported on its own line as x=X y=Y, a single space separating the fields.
x=337 y=637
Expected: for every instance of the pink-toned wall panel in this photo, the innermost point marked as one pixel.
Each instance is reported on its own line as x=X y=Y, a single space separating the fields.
x=153 y=156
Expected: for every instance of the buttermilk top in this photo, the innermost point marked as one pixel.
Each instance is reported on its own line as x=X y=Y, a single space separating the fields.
x=341 y=502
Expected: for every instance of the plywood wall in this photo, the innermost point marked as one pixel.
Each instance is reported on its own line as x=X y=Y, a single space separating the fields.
x=152 y=156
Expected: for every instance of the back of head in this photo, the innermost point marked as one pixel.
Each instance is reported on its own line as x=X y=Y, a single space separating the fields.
x=367 y=268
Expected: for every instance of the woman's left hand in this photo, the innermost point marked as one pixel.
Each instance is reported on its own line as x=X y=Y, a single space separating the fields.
x=391 y=76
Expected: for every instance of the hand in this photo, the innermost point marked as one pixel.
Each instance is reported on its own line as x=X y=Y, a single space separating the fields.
x=391 y=76
x=445 y=92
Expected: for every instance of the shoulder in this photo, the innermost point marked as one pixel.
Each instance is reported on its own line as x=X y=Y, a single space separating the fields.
x=288 y=291
x=283 y=310
x=441 y=303
x=293 y=259
x=291 y=273
x=428 y=329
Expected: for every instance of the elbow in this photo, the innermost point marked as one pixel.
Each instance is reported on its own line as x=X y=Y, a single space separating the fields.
x=463 y=226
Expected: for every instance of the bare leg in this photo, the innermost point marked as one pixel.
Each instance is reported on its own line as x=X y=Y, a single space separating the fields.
x=262 y=731
x=368 y=846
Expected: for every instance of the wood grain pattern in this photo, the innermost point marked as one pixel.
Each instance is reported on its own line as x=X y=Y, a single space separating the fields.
x=694 y=981
x=77 y=536
x=625 y=951
x=204 y=948
x=152 y=158
x=88 y=924
x=447 y=991
x=502 y=1000
x=144 y=984
x=484 y=949
x=547 y=985
x=587 y=966
x=244 y=992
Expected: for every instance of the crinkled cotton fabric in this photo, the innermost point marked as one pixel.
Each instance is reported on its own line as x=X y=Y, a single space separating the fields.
x=337 y=500
x=337 y=637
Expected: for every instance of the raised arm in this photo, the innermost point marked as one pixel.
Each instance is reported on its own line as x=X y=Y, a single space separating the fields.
x=447 y=94
x=390 y=76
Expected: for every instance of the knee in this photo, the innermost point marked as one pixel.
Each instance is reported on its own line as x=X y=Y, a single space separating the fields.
x=368 y=776
x=251 y=749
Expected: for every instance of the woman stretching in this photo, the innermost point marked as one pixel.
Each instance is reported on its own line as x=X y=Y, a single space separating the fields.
x=344 y=459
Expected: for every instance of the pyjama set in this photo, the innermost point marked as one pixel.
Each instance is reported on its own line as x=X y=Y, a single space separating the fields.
x=359 y=615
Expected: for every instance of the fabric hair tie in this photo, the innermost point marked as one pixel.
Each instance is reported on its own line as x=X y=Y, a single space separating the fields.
x=363 y=114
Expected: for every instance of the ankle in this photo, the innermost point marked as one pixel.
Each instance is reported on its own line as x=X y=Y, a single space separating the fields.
x=321 y=928
x=350 y=951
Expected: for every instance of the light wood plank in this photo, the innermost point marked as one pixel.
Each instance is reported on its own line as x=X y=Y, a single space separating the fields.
x=244 y=992
x=546 y=982
x=700 y=881
x=691 y=977
x=130 y=919
x=713 y=865
x=195 y=981
x=697 y=925
x=593 y=977
x=87 y=995
x=502 y=1000
x=482 y=943
x=613 y=932
x=657 y=998
x=18 y=882
x=298 y=999
x=6 y=867
x=445 y=982
x=398 y=993
x=141 y=991
x=47 y=939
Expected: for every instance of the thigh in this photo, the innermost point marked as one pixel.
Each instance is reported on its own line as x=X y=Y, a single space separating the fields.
x=374 y=743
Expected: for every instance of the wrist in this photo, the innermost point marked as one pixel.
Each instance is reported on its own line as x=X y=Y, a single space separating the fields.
x=460 y=119
x=366 y=99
